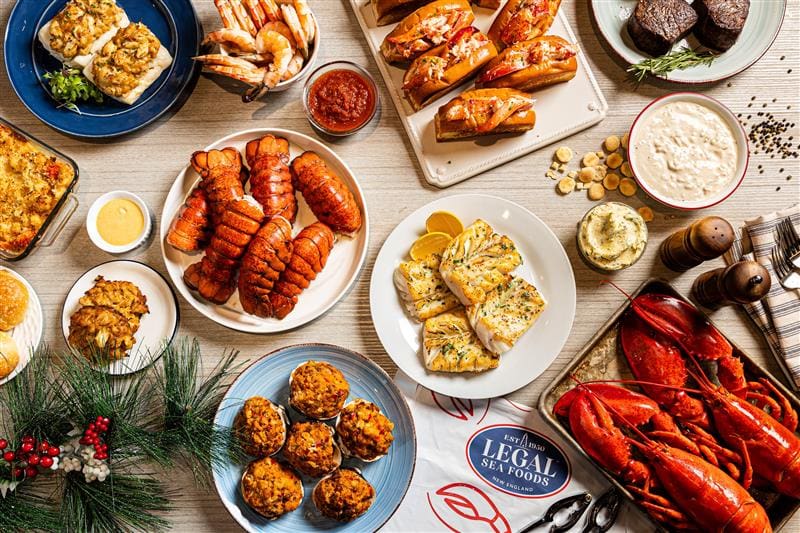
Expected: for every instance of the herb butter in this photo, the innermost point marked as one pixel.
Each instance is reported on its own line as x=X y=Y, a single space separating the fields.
x=612 y=236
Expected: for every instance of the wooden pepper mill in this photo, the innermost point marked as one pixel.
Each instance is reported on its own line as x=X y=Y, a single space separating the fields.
x=740 y=283
x=705 y=239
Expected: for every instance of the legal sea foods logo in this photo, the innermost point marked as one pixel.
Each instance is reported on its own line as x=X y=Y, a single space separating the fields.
x=518 y=461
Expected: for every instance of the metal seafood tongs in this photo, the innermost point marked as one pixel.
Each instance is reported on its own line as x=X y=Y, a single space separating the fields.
x=574 y=505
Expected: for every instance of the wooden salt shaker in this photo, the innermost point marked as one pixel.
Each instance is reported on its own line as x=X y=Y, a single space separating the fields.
x=704 y=239
x=740 y=283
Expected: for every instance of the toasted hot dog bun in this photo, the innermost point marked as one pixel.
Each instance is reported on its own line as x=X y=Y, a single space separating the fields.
x=488 y=4
x=508 y=29
x=457 y=70
x=448 y=129
x=390 y=50
x=547 y=72
x=389 y=11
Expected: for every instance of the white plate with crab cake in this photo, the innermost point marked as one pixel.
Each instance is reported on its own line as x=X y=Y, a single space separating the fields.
x=120 y=315
x=484 y=314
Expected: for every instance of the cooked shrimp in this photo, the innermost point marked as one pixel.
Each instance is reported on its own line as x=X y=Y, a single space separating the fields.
x=295 y=66
x=245 y=22
x=226 y=14
x=233 y=67
x=270 y=9
x=281 y=28
x=259 y=60
x=234 y=40
x=291 y=20
x=271 y=42
x=256 y=12
x=306 y=19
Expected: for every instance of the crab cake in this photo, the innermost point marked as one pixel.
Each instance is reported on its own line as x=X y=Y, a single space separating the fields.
x=271 y=488
x=122 y=296
x=310 y=448
x=422 y=288
x=318 y=390
x=261 y=427
x=363 y=431
x=100 y=331
x=344 y=495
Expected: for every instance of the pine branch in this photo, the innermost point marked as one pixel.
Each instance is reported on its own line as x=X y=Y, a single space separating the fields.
x=190 y=406
x=121 y=503
x=22 y=510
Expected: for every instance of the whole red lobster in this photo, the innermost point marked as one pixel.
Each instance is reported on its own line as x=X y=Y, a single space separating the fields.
x=310 y=252
x=270 y=178
x=328 y=197
x=696 y=494
x=266 y=258
x=215 y=275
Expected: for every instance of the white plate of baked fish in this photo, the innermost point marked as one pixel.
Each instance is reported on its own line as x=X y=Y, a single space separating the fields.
x=488 y=315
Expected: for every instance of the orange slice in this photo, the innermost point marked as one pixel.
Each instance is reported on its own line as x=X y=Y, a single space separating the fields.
x=444 y=222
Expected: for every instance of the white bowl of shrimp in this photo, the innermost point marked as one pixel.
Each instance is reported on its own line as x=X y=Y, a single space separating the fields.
x=269 y=47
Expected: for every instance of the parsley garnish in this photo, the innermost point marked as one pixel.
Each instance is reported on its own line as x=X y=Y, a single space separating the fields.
x=69 y=85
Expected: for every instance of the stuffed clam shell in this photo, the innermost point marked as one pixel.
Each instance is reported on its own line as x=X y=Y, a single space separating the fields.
x=271 y=488
x=318 y=390
x=363 y=431
x=310 y=448
x=261 y=427
x=343 y=495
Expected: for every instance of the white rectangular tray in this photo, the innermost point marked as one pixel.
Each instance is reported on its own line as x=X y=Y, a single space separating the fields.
x=561 y=110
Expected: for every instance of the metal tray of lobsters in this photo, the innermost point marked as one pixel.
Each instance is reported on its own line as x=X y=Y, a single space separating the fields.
x=602 y=359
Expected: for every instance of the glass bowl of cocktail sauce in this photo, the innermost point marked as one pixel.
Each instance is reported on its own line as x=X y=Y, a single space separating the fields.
x=340 y=98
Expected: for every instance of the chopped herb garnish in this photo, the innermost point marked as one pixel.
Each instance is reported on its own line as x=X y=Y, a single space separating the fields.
x=69 y=86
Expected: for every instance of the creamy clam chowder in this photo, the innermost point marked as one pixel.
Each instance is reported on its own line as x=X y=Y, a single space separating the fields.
x=685 y=151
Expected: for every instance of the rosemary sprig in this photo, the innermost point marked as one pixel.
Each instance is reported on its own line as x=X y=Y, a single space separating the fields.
x=675 y=60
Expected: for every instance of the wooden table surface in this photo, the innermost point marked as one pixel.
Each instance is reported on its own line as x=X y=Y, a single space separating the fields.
x=147 y=162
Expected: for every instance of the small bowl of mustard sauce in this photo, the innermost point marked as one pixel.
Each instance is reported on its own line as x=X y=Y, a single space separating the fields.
x=612 y=236
x=119 y=222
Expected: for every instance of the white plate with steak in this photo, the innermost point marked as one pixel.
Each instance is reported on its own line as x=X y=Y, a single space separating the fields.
x=739 y=31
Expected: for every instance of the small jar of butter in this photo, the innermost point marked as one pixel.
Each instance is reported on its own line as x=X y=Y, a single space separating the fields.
x=611 y=236
x=118 y=222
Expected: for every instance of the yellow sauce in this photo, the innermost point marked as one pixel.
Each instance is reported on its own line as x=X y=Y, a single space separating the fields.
x=612 y=236
x=120 y=222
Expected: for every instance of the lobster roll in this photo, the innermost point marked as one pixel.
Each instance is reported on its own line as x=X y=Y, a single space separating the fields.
x=522 y=20
x=531 y=65
x=326 y=194
x=485 y=112
x=389 y=11
x=263 y=262
x=448 y=65
x=425 y=28
x=310 y=252
x=270 y=179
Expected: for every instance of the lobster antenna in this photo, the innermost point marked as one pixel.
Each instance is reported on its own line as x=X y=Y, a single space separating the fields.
x=698 y=374
x=609 y=282
x=648 y=383
x=605 y=404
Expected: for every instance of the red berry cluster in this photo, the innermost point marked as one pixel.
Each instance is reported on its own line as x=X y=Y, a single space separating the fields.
x=28 y=456
x=93 y=437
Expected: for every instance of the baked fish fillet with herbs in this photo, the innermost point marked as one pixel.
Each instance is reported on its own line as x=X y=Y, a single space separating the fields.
x=450 y=345
x=422 y=288
x=477 y=261
x=509 y=311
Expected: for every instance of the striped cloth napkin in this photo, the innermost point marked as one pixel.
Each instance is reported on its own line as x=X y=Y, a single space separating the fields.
x=777 y=315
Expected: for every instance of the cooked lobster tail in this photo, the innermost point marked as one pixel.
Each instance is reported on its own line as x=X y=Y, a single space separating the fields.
x=311 y=249
x=270 y=178
x=222 y=178
x=262 y=265
x=328 y=197
x=214 y=275
x=190 y=230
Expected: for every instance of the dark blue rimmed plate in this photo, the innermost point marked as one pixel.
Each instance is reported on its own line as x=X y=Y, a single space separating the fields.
x=175 y=24
x=391 y=475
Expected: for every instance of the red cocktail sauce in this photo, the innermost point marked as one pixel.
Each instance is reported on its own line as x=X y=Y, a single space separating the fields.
x=341 y=100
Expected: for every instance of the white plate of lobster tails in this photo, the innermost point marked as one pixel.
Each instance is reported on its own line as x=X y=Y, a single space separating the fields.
x=264 y=231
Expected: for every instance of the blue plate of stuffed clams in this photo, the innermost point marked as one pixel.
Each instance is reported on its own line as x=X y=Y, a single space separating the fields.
x=329 y=439
x=131 y=58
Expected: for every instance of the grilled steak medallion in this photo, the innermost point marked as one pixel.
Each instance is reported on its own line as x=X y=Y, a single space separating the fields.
x=656 y=25
x=719 y=22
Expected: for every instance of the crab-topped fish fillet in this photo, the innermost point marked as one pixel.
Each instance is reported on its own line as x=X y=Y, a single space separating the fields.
x=422 y=288
x=477 y=261
x=509 y=311
x=80 y=30
x=450 y=345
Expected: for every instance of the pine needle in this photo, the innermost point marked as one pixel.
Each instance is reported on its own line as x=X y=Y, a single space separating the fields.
x=676 y=60
x=190 y=406
x=22 y=510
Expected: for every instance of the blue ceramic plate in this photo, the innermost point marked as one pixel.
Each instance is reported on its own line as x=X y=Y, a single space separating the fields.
x=391 y=475
x=175 y=24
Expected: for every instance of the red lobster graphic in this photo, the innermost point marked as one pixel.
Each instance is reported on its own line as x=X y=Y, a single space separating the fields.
x=466 y=502
x=458 y=408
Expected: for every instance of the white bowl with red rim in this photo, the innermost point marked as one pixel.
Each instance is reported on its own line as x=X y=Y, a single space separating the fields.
x=739 y=135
